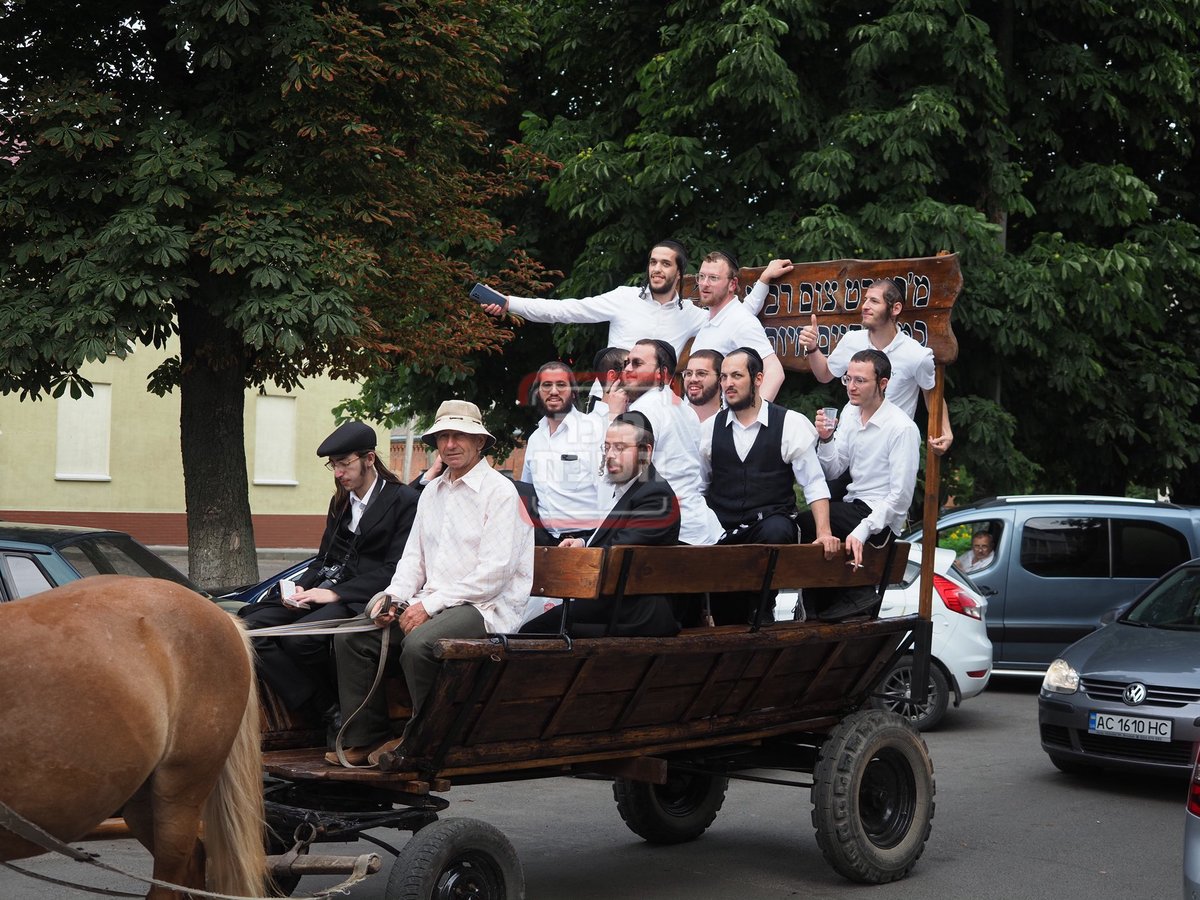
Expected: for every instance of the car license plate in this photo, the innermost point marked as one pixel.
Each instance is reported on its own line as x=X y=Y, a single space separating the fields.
x=1129 y=726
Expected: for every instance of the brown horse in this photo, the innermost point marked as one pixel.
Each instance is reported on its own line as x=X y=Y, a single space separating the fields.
x=134 y=695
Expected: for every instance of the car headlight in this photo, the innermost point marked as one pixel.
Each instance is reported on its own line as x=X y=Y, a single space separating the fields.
x=1061 y=678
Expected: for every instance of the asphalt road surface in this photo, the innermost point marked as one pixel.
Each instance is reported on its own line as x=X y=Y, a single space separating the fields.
x=1008 y=826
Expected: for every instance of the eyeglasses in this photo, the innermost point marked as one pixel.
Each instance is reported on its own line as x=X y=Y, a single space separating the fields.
x=856 y=380
x=343 y=464
x=711 y=279
x=617 y=448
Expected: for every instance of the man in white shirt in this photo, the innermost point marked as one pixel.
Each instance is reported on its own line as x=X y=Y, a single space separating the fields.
x=702 y=383
x=752 y=455
x=729 y=324
x=563 y=457
x=646 y=388
x=467 y=570
x=878 y=445
x=912 y=364
x=980 y=555
x=653 y=309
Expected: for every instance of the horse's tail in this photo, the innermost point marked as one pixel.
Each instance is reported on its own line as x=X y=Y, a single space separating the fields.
x=234 y=817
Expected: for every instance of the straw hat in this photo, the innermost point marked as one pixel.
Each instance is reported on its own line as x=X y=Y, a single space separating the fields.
x=458 y=415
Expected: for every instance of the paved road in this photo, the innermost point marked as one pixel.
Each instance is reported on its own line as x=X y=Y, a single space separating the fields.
x=1008 y=826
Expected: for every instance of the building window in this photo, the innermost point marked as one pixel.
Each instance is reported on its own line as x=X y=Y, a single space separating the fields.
x=275 y=440
x=84 y=425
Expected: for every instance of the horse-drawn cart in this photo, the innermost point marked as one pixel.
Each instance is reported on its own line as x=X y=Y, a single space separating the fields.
x=671 y=720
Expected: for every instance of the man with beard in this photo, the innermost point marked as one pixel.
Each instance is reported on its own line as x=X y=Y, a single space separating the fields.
x=702 y=383
x=644 y=512
x=365 y=532
x=563 y=457
x=729 y=324
x=655 y=309
x=878 y=445
x=646 y=388
x=912 y=364
x=753 y=453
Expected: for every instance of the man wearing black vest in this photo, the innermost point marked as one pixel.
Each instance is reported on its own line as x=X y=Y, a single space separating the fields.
x=753 y=453
x=369 y=519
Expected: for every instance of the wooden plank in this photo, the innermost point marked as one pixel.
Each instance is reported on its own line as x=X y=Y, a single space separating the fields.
x=567 y=572
x=568 y=698
x=687 y=570
x=804 y=565
x=636 y=697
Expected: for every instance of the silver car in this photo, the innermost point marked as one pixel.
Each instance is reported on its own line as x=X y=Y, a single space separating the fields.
x=1191 y=838
x=1128 y=695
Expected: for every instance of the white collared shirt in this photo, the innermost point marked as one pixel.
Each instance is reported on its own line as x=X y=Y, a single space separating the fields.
x=797 y=448
x=912 y=365
x=882 y=458
x=358 y=507
x=733 y=326
x=630 y=316
x=471 y=542
x=677 y=459
x=564 y=469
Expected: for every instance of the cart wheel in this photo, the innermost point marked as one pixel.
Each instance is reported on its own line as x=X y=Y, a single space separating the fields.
x=897 y=688
x=672 y=813
x=873 y=797
x=457 y=859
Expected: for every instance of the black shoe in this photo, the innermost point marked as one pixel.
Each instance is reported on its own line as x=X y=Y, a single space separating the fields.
x=332 y=719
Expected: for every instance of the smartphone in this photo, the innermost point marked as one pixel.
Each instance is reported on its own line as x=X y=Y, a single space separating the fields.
x=485 y=295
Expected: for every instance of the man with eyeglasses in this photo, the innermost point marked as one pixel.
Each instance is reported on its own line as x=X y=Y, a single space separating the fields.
x=878 y=444
x=563 y=458
x=702 y=383
x=643 y=511
x=912 y=364
x=366 y=528
x=729 y=324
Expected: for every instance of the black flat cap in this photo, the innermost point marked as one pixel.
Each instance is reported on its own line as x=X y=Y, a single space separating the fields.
x=350 y=437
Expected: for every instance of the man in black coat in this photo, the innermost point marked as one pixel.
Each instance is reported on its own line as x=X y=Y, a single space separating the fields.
x=645 y=512
x=366 y=529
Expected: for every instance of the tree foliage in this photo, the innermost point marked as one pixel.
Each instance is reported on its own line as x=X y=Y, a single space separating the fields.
x=293 y=187
x=1052 y=146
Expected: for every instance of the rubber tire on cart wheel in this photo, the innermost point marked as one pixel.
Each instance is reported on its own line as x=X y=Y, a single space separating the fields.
x=897 y=685
x=457 y=858
x=672 y=813
x=873 y=797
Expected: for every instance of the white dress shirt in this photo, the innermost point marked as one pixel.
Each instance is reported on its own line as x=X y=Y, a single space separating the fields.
x=733 y=326
x=797 y=448
x=677 y=459
x=471 y=542
x=882 y=459
x=564 y=469
x=912 y=365
x=358 y=507
x=630 y=316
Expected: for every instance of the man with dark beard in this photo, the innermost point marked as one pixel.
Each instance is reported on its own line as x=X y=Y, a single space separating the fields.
x=702 y=383
x=752 y=454
x=562 y=456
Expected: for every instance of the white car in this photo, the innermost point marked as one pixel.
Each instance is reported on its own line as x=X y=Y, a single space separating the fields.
x=961 y=664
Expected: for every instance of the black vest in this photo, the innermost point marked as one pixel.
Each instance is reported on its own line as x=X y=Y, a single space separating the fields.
x=739 y=491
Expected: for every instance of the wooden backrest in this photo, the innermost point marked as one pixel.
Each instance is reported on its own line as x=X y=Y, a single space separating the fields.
x=686 y=570
x=567 y=572
x=804 y=565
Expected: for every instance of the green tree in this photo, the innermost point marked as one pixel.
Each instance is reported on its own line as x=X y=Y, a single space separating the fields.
x=293 y=188
x=1051 y=146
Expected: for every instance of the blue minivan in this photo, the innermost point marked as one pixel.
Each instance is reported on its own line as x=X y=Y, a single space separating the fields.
x=1059 y=563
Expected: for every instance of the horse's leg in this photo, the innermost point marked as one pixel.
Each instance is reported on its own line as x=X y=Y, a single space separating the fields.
x=175 y=804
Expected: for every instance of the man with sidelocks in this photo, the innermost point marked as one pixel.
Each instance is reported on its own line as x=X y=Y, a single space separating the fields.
x=467 y=570
x=702 y=383
x=878 y=445
x=366 y=529
x=753 y=454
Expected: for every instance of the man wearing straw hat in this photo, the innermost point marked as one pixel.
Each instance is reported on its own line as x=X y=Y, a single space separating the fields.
x=467 y=570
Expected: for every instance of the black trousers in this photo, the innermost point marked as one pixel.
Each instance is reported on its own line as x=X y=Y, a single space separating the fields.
x=298 y=668
x=739 y=607
x=834 y=604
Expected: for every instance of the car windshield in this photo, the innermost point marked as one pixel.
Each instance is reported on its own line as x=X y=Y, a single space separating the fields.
x=118 y=554
x=1173 y=603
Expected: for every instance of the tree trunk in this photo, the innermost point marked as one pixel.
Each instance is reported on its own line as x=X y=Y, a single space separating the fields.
x=211 y=406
